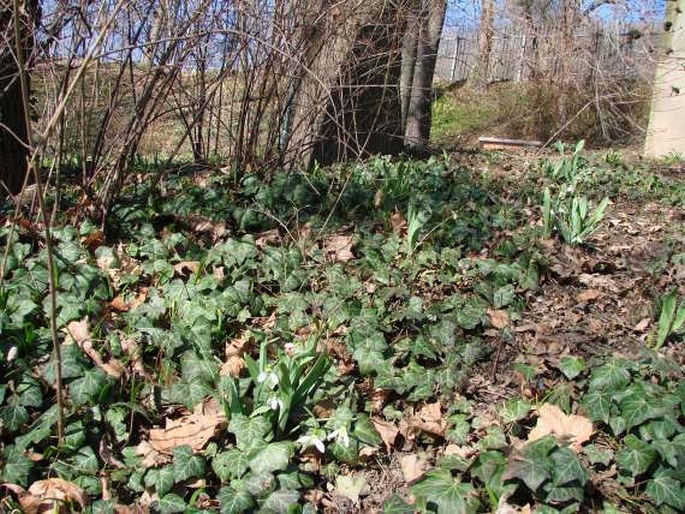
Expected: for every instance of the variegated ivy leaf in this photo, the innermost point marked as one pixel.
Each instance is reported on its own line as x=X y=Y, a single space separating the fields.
x=514 y=410
x=234 y=502
x=187 y=465
x=447 y=494
x=230 y=464
x=665 y=488
x=635 y=456
x=274 y=457
x=171 y=504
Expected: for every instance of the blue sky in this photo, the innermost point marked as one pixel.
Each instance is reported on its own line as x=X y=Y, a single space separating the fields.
x=466 y=13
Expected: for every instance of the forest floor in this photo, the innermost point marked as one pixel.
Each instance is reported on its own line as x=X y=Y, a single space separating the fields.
x=395 y=336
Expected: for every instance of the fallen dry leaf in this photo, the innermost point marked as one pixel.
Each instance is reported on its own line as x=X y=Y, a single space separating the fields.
x=351 y=487
x=77 y=331
x=194 y=430
x=430 y=420
x=269 y=238
x=596 y=281
x=588 y=295
x=338 y=247
x=498 y=318
x=233 y=367
x=505 y=508
x=399 y=223
x=368 y=451
x=187 y=268
x=464 y=452
x=387 y=430
x=93 y=240
x=643 y=325
x=50 y=495
x=151 y=457
x=413 y=467
x=118 y=304
x=553 y=421
x=205 y=225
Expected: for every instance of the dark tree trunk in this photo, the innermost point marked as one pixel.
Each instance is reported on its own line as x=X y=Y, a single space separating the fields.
x=346 y=103
x=13 y=131
x=363 y=116
x=418 y=122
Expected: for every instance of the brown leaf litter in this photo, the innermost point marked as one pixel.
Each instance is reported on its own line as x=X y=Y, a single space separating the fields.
x=194 y=429
x=553 y=421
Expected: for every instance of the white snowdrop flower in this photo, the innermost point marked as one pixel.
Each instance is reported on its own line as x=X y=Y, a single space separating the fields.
x=311 y=440
x=289 y=349
x=268 y=377
x=341 y=436
x=275 y=403
x=12 y=354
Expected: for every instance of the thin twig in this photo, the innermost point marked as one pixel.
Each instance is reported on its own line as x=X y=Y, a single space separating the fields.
x=52 y=286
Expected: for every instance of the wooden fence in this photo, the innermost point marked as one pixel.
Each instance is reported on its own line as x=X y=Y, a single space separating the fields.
x=516 y=55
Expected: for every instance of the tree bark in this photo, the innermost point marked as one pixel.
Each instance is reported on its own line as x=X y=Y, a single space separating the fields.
x=345 y=98
x=14 y=130
x=409 y=48
x=418 y=122
x=481 y=74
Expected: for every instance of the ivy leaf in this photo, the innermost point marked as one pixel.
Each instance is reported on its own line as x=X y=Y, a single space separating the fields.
x=612 y=375
x=17 y=466
x=280 y=501
x=597 y=404
x=494 y=439
x=635 y=456
x=571 y=366
x=249 y=432
x=503 y=296
x=171 y=503
x=162 y=479
x=30 y=392
x=187 y=465
x=460 y=429
x=87 y=387
x=368 y=360
x=489 y=468
x=567 y=468
x=197 y=368
x=659 y=429
x=663 y=488
x=637 y=407
x=85 y=461
x=13 y=416
x=274 y=457
x=230 y=465
x=598 y=455
x=396 y=505
x=234 y=502
x=348 y=453
x=515 y=410
x=366 y=432
x=258 y=484
x=671 y=451
x=448 y=495
x=533 y=465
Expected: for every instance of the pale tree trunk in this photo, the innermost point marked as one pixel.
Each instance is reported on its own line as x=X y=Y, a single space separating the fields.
x=481 y=74
x=409 y=47
x=418 y=121
x=14 y=131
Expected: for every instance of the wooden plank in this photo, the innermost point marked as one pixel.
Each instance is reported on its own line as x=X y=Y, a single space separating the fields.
x=498 y=142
